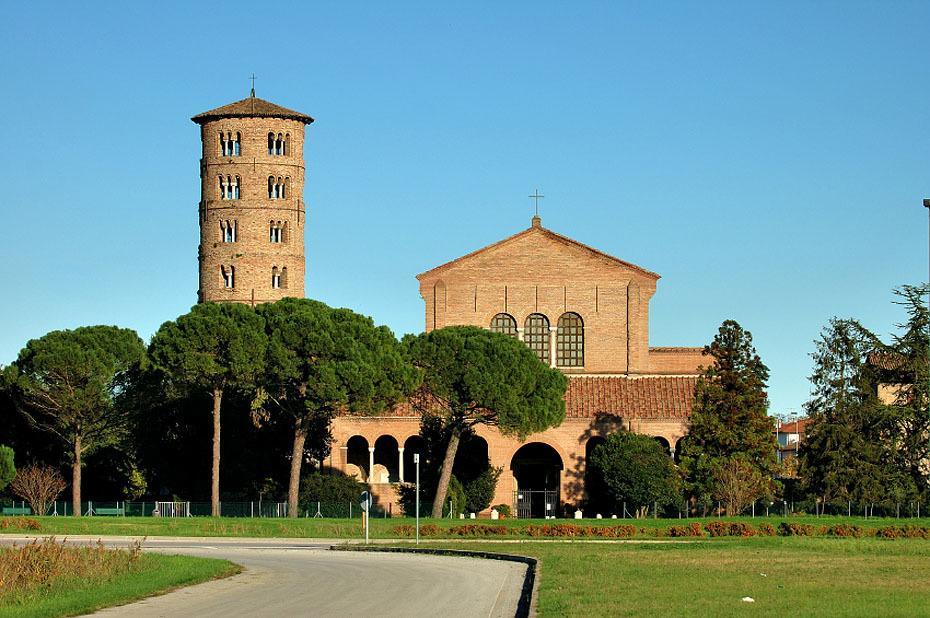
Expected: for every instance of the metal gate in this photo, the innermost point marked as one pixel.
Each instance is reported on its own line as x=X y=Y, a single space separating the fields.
x=535 y=503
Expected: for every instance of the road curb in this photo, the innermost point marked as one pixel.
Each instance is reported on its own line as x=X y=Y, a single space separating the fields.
x=528 y=595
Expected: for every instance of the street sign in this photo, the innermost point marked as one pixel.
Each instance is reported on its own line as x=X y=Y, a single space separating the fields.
x=365 y=501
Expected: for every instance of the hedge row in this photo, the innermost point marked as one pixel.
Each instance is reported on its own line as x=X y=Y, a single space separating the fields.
x=711 y=529
x=19 y=523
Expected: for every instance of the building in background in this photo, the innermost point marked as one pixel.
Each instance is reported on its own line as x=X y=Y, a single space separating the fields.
x=790 y=436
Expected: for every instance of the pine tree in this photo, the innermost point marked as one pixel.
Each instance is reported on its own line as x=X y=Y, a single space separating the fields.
x=847 y=455
x=730 y=419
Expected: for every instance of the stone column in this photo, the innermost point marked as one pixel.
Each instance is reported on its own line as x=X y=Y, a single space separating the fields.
x=552 y=332
x=371 y=464
x=343 y=457
x=400 y=464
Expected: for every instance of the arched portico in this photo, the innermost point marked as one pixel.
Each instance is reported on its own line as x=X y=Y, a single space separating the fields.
x=537 y=471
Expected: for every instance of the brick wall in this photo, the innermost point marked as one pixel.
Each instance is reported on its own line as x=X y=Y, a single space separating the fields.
x=253 y=254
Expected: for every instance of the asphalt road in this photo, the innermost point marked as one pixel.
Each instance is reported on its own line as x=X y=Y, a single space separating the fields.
x=297 y=579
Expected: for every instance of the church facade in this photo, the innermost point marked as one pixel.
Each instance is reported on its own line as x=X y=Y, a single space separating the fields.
x=581 y=311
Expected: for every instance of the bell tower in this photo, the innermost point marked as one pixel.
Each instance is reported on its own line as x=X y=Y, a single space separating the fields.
x=252 y=212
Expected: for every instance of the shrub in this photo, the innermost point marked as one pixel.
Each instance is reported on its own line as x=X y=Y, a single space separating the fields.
x=478 y=530
x=729 y=528
x=19 y=523
x=480 y=490
x=575 y=531
x=329 y=488
x=39 y=486
x=7 y=469
x=716 y=528
x=739 y=528
x=845 y=530
x=429 y=530
x=623 y=531
x=795 y=529
x=502 y=509
x=766 y=529
x=899 y=532
x=693 y=529
x=404 y=530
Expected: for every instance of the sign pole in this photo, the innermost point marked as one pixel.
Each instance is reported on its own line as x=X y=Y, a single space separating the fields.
x=416 y=460
x=365 y=503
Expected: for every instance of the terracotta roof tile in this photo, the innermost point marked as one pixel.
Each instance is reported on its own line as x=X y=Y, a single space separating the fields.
x=643 y=398
x=251 y=107
x=659 y=397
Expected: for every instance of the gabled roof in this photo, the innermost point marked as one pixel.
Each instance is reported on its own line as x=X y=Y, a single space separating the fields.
x=536 y=228
x=251 y=107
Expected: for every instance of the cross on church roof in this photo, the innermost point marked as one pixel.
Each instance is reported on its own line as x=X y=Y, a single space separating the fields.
x=253 y=78
x=536 y=197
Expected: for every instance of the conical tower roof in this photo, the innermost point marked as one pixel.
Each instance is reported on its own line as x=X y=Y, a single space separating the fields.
x=251 y=107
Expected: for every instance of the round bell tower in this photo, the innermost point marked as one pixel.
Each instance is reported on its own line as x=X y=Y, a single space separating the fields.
x=252 y=213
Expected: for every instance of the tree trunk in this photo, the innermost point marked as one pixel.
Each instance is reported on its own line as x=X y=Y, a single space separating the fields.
x=75 y=479
x=443 y=488
x=215 y=475
x=297 y=457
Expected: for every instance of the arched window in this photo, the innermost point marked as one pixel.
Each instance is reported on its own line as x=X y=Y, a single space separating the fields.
x=287 y=143
x=237 y=145
x=228 y=230
x=284 y=277
x=284 y=233
x=275 y=278
x=536 y=335
x=272 y=188
x=279 y=145
x=229 y=187
x=504 y=323
x=274 y=234
x=271 y=143
x=229 y=276
x=569 y=341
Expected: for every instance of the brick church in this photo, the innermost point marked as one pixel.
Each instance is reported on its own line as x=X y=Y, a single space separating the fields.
x=579 y=310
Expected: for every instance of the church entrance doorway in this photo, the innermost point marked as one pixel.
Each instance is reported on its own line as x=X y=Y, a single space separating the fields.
x=537 y=469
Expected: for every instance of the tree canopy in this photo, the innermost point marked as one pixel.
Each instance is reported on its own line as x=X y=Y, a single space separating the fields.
x=66 y=383
x=472 y=376
x=636 y=470
x=322 y=361
x=212 y=348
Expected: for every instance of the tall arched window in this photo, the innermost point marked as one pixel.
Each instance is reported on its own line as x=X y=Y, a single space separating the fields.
x=274 y=234
x=271 y=143
x=229 y=276
x=275 y=278
x=569 y=341
x=237 y=145
x=229 y=187
x=228 y=230
x=504 y=323
x=284 y=277
x=536 y=335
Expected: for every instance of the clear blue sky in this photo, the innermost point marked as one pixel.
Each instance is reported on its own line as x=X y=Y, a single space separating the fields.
x=767 y=159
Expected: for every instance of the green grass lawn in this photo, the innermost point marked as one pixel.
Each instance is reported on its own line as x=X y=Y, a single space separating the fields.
x=155 y=574
x=380 y=528
x=786 y=577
